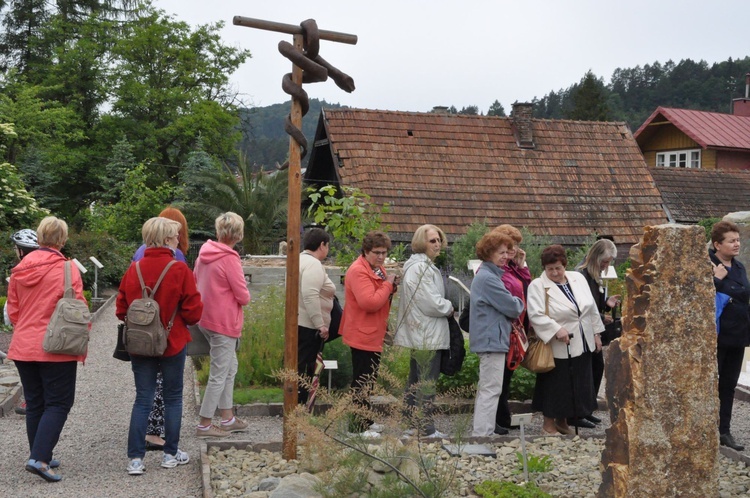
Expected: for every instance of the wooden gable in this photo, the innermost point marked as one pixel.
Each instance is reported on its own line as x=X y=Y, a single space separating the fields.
x=451 y=170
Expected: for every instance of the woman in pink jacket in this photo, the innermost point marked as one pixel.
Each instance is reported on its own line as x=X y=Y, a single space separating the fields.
x=221 y=282
x=368 y=302
x=49 y=380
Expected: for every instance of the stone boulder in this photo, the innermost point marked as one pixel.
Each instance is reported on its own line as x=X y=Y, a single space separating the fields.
x=661 y=374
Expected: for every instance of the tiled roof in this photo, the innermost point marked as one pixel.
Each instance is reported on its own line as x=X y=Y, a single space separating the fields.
x=709 y=129
x=691 y=195
x=452 y=170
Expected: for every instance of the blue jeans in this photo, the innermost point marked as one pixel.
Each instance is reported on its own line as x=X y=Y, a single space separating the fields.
x=49 y=389
x=144 y=372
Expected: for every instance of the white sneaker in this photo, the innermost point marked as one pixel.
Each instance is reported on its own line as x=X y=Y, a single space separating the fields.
x=437 y=434
x=375 y=427
x=135 y=467
x=172 y=461
x=364 y=435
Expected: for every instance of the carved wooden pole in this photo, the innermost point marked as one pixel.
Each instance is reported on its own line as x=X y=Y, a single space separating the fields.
x=293 y=221
x=294 y=200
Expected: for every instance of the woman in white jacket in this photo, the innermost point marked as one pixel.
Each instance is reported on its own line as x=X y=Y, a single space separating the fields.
x=563 y=313
x=422 y=325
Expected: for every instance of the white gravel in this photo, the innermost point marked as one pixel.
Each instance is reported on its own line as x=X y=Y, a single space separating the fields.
x=92 y=446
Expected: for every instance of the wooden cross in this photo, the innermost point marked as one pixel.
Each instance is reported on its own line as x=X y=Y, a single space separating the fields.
x=293 y=222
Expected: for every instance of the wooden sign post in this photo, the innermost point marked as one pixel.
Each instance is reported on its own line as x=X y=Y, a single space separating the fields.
x=293 y=220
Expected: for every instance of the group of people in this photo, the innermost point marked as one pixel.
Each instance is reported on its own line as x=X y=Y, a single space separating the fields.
x=209 y=299
x=566 y=309
x=421 y=326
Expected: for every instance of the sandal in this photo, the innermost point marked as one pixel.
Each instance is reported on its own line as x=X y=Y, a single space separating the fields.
x=547 y=433
x=42 y=470
x=154 y=447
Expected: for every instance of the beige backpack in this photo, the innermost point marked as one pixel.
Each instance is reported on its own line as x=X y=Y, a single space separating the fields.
x=145 y=335
x=70 y=324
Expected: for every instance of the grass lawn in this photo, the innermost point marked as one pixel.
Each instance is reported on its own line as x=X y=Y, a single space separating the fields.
x=246 y=395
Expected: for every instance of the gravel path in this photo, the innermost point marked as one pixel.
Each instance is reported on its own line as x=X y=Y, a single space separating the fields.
x=93 y=444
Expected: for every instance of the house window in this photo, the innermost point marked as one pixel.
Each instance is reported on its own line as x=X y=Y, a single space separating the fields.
x=679 y=159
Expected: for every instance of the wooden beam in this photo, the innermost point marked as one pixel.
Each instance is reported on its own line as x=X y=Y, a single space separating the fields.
x=292 y=29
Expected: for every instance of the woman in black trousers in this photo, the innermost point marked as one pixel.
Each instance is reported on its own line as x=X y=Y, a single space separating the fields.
x=597 y=260
x=730 y=279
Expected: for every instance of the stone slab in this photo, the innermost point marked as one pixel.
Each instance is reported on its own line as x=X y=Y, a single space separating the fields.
x=469 y=449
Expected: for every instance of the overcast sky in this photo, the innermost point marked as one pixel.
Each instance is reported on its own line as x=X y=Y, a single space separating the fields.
x=416 y=54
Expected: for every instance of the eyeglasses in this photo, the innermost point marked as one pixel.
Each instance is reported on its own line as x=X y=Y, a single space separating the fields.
x=379 y=254
x=433 y=241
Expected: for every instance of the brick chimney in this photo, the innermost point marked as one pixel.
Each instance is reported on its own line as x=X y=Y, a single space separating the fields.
x=522 y=126
x=741 y=107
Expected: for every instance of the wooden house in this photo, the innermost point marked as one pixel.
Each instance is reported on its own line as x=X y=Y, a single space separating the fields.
x=566 y=179
x=687 y=139
x=699 y=160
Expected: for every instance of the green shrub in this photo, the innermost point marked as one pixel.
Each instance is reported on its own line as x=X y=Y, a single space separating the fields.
x=466 y=379
x=533 y=245
x=507 y=489
x=113 y=254
x=522 y=384
x=464 y=248
x=342 y=377
x=707 y=225
x=261 y=350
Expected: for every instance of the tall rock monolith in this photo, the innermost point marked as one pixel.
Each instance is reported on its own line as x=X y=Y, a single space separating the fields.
x=661 y=374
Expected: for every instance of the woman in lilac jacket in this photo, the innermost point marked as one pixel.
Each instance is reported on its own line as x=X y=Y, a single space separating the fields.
x=221 y=282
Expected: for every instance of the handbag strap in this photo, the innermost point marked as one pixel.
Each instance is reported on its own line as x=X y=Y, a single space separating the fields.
x=68 y=284
x=158 y=282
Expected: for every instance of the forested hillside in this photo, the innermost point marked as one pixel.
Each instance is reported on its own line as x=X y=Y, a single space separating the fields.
x=263 y=138
x=632 y=94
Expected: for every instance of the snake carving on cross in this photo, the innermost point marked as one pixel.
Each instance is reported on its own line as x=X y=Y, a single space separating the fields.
x=314 y=69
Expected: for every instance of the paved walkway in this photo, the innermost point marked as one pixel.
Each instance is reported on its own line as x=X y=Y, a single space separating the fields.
x=93 y=444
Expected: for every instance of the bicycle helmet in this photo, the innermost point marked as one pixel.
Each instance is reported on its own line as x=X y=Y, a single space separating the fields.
x=25 y=238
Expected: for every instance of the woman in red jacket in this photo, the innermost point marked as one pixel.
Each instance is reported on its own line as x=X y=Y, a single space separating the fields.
x=49 y=380
x=368 y=302
x=177 y=291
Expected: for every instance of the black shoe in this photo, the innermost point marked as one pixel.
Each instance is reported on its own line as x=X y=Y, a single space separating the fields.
x=581 y=422
x=593 y=419
x=728 y=441
x=500 y=431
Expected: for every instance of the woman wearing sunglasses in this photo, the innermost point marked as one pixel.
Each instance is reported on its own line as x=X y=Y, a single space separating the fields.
x=422 y=326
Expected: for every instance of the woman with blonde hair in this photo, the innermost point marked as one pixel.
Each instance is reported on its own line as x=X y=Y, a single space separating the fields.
x=155 y=430
x=422 y=324
x=597 y=260
x=179 y=304
x=48 y=380
x=221 y=282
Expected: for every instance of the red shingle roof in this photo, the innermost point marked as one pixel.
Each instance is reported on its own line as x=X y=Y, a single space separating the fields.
x=452 y=170
x=709 y=129
x=696 y=194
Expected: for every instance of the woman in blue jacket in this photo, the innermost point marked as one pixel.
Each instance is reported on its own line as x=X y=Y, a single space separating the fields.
x=491 y=312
